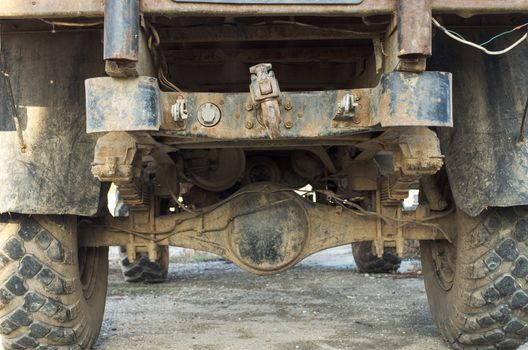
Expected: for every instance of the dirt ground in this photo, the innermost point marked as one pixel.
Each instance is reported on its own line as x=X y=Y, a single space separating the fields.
x=322 y=303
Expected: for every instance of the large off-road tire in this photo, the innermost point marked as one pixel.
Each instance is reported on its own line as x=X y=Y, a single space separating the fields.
x=52 y=293
x=477 y=286
x=367 y=262
x=143 y=270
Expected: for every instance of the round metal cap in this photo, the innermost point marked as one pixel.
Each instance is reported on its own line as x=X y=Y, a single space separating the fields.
x=209 y=114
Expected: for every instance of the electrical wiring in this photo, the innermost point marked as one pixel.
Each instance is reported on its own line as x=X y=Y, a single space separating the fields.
x=177 y=201
x=492 y=38
x=358 y=210
x=307 y=25
x=332 y=197
x=480 y=47
x=72 y=24
x=504 y=33
x=454 y=35
x=172 y=231
x=154 y=45
x=167 y=82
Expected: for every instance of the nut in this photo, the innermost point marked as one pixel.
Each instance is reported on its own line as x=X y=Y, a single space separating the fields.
x=209 y=114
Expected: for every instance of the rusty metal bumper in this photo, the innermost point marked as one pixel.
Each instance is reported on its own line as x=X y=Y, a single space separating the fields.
x=400 y=99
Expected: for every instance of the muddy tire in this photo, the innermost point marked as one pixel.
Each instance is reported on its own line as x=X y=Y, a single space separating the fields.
x=367 y=262
x=52 y=294
x=143 y=270
x=477 y=286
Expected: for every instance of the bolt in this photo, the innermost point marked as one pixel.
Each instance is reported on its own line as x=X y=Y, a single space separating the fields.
x=356 y=119
x=208 y=117
x=249 y=107
x=209 y=114
x=249 y=124
x=288 y=105
x=288 y=124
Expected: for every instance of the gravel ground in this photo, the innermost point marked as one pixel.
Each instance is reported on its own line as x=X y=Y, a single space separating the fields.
x=322 y=303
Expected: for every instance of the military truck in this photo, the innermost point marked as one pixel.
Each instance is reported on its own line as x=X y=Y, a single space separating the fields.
x=212 y=116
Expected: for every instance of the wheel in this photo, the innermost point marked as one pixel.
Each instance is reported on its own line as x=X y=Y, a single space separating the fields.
x=368 y=262
x=477 y=286
x=143 y=270
x=52 y=294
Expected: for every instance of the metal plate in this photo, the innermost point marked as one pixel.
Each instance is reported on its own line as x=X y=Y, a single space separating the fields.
x=122 y=104
x=410 y=99
x=275 y=2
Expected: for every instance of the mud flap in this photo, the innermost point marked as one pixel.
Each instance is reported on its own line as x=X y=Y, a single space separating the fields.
x=486 y=164
x=53 y=175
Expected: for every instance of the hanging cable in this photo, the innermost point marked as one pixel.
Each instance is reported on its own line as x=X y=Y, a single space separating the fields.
x=504 y=33
x=331 y=197
x=72 y=24
x=461 y=39
x=160 y=62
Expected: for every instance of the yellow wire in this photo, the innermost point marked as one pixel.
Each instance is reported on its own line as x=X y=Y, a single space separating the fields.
x=72 y=24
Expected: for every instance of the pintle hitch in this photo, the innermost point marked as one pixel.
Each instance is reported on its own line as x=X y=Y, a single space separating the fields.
x=265 y=94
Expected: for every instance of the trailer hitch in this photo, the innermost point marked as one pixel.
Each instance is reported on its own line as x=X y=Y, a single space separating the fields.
x=265 y=94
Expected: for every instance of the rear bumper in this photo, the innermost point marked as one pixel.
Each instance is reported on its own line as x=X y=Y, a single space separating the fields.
x=400 y=99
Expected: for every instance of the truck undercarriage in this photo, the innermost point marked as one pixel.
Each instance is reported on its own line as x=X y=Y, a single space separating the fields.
x=215 y=116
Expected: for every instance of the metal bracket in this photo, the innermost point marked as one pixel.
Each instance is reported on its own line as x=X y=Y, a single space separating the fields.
x=347 y=108
x=133 y=247
x=179 y=110
x=122 y=104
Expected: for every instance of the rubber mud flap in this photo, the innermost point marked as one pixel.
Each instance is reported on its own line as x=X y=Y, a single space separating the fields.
x=52 y=175
x=486 y=164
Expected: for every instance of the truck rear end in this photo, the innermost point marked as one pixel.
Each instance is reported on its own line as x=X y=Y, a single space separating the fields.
x=262 y=131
